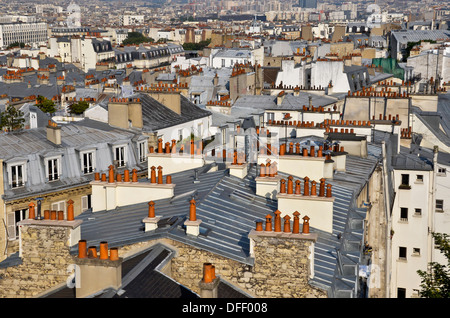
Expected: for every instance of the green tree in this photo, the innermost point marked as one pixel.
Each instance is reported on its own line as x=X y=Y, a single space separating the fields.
x=78 y=108
x=196 y=46
x=46 y=105
x=135 y=38
x=16 y=44
x=11 y=118
x=436 y=280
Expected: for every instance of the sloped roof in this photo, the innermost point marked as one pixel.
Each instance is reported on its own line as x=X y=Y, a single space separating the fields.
x=157 y=116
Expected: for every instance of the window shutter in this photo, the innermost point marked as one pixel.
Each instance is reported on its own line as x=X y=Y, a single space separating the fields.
x=11 y=225
x=84 y=203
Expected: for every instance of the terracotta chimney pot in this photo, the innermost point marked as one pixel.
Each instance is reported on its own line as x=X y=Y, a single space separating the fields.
x=268 y=223
x=153 y=174
x=313 y=188
x=306 y=186
x=151 y=209
x=305 y=229
x=277 y=227
x=160 y=175
x=82 y=251
x=104 y=250
x=97 y=176
x=207 y=273
x=53 y=215
x=134 y=176
x=296 y=225
x=46 y=214
x=168 y=179
x=192 y=211
x=103 y=177
x=160 y=150
x=262 y=170
x=126 y=175
x=111 y=174
x=297 y=187
x=114 y=254
x=287 y=224
x=259 y=227
x=290 y=186
x=31 y=210
x=329 y=195
x=60 y=215
x=92 y=252
x=282 y=186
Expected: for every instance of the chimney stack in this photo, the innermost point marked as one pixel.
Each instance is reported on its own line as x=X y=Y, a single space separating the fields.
x=53 y=132
x=97 y=272
x=209 y=284
x=192 y=224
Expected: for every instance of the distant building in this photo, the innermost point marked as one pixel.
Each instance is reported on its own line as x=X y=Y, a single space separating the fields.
x=308 y=3
x=27 y=33
x=131 y=19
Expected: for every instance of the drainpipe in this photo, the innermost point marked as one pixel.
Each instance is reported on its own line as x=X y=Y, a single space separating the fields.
x=432 y=204
x=388 y=220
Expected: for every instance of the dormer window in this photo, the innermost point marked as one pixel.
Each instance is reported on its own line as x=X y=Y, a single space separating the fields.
x=119 y=153
x=53 y=168
x=87 y=161
x=17 y=174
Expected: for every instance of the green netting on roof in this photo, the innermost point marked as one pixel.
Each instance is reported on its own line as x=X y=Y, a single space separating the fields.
x=389 y=65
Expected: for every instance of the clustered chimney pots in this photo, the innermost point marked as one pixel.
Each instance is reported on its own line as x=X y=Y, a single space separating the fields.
x=53 y=215
x=309 y=188
x=275 y=227
x=91 y=252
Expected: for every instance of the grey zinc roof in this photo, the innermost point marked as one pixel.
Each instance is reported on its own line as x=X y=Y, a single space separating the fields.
x=32 y=146
x=290 y=102
x=157 y=116
x=229 y=207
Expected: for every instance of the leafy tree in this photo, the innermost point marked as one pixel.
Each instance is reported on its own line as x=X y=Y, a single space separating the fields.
x=11 y=118
x=436 y=280
x=16 y=44
x=196 y=46
x=46 y=105
x=135 y=38
x=78 y=108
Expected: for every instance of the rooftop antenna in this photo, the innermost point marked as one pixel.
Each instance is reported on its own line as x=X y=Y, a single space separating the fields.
x=39 y=207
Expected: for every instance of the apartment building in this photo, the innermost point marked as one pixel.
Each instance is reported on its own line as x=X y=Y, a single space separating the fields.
x=420 y=208
x=32 y=33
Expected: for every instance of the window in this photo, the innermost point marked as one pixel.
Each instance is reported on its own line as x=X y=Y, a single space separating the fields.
x=180 y=134
x=86 y=203
x=417 y=212
x=270 y=116
x=416 y=251
x=119 y=156
x=419 y=178
x=404 y=214
x=17 y=175
x=439 y=205
x=53 y=169
x=142 y=151
x=87 y=162
x=405 y=182
x=402 y=252
x=441 y=171
x=12 y=219
x=223 y=62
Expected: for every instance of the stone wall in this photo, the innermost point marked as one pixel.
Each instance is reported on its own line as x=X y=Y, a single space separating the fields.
x=281 y=268
x=45 y=261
